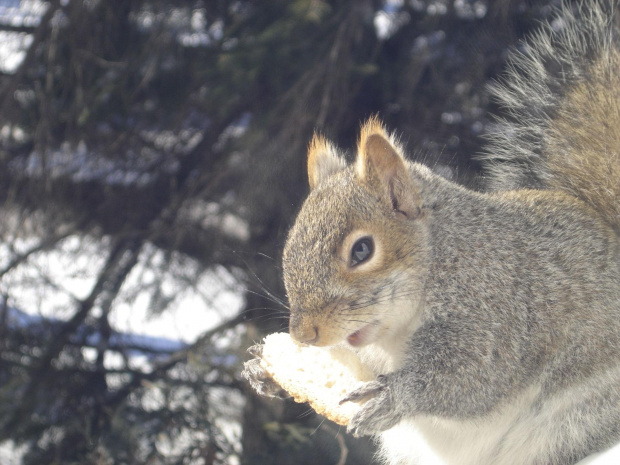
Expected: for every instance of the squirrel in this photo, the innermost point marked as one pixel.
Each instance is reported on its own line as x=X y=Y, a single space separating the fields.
x=490 y=319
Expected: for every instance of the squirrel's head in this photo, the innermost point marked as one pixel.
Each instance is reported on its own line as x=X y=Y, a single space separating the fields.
x=353 y=261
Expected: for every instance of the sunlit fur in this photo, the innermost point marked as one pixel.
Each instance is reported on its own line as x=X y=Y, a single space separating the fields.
x=373 y=126
x=323 y=160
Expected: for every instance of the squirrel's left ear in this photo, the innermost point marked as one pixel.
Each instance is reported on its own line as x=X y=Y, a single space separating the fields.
x=381 y=165
x=323 y=160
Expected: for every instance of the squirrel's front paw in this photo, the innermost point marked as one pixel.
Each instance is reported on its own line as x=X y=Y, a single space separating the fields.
x=258 y=377
x=377 y=414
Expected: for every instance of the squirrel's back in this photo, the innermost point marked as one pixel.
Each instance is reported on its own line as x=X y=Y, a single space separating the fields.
x=562 y=101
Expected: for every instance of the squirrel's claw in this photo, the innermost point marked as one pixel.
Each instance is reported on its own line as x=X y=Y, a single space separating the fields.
x=377 y=413
x=256 y=350
x=258 y=378
x=367 y=391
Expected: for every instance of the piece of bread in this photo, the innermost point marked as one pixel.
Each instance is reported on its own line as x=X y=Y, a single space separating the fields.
x=318 y=375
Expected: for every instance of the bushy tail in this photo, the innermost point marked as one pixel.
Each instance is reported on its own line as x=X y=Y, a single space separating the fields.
x=562 y=100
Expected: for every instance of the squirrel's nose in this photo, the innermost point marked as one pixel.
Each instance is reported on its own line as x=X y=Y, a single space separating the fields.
x=303 y=331
x=309 y=336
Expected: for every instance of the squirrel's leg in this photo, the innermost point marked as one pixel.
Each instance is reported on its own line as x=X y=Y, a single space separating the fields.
x=449 y=372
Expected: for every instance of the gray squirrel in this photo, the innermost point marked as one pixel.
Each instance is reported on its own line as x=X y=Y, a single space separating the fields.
x=491 y=320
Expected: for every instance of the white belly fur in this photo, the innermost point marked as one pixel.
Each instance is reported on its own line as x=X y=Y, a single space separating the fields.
x=516 y=434
x=434 y=441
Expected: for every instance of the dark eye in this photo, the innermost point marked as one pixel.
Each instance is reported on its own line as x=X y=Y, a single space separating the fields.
x=361 y=251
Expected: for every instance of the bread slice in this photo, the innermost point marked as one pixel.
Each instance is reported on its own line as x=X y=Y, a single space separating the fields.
x=317 y=375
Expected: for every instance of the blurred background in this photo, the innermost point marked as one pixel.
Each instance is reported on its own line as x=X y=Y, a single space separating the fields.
x=152 y=159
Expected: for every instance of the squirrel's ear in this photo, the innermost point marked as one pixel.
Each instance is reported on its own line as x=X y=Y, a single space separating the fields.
x=382 y=166
x=323 y=160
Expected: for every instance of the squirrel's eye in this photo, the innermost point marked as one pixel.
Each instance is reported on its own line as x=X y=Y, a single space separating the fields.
x=361 y=251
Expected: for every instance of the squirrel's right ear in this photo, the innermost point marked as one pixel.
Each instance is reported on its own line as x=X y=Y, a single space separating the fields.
x=382 y=166
x=323 y=160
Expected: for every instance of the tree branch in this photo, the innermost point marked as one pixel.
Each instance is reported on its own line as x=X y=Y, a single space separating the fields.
x=110 y=279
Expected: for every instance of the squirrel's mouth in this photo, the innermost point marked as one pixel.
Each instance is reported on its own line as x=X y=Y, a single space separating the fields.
x=365 y=335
